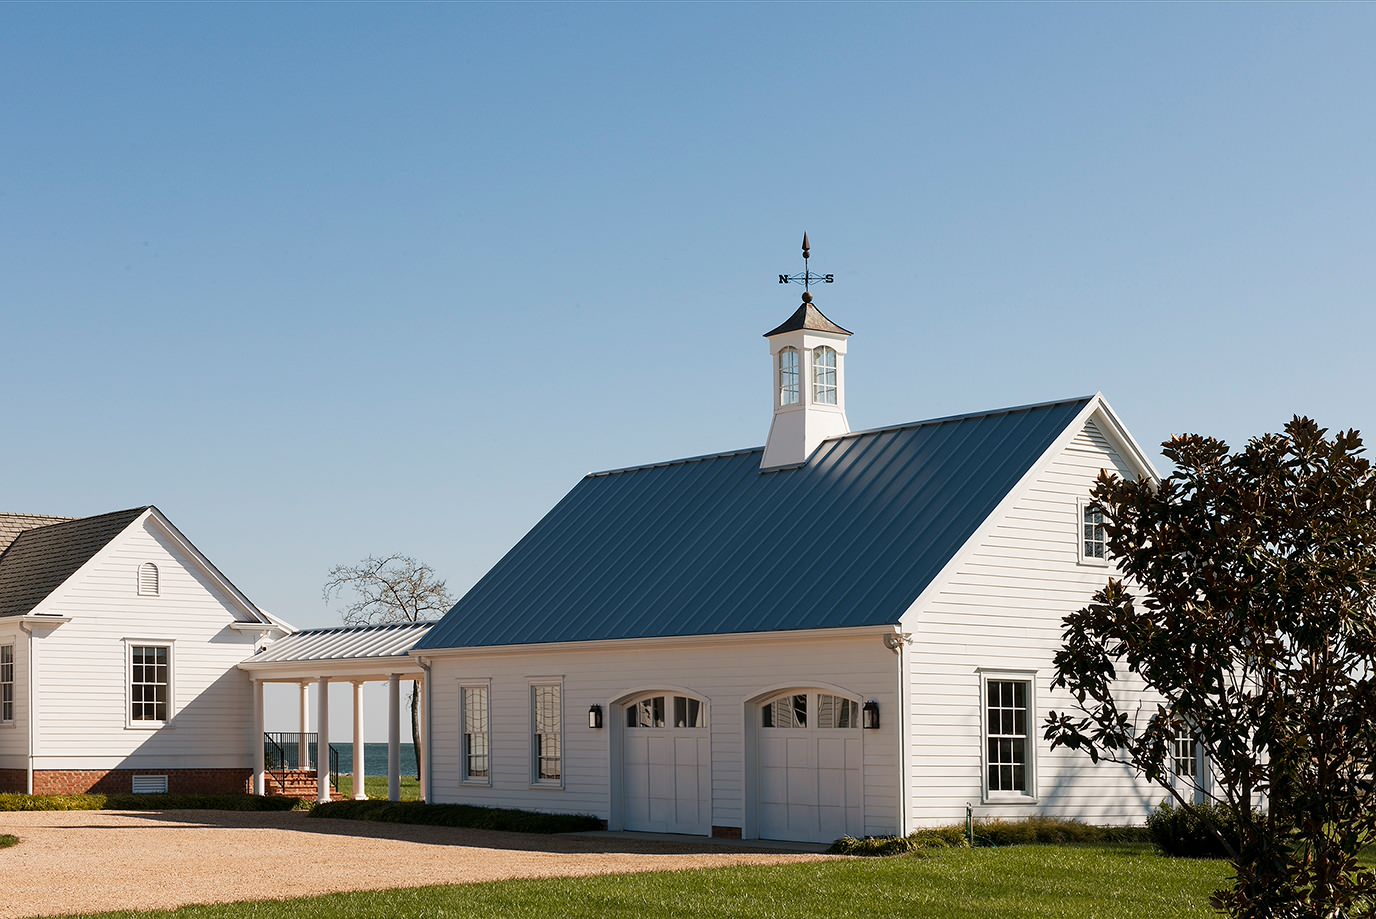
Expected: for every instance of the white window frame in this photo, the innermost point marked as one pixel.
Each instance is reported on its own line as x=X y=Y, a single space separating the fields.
x=834 y=387
x=11 y=683
x=987 y=675
x=129 y=645
x=1081 y=509
x=1197 y=781
x=157 y=580
x=535 y=781
x=464 y=688
x=797 y=378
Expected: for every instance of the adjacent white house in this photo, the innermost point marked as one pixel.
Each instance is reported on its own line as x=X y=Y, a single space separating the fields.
x=119 y=652
x=838 y=633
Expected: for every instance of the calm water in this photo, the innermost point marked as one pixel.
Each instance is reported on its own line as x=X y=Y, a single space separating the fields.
x=375 y=758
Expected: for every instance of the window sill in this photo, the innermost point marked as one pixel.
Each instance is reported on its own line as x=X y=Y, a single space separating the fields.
x=1008 y=797
x=547 y=786
x=1093 y=563
x=148 y=726
x=476 y=783
x=8 y=725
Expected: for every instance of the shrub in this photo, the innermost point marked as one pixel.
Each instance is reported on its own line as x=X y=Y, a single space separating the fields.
x=946 y=837
x=7 y=840
x=1052 y=831
x=143 y=802
x=1184 y=831
x=1030 y=831
x=458 y=815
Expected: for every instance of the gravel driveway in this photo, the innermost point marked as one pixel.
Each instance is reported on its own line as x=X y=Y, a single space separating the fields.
x=91 y=861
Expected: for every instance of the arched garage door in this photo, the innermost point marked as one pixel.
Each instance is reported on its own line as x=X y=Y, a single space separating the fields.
x=809 y=778
x=666 y=776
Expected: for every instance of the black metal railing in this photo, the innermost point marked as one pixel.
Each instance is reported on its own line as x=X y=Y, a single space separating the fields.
x=283 y=753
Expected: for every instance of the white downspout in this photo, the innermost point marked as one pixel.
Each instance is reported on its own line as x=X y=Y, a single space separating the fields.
x=903 y=753
x=33 y=707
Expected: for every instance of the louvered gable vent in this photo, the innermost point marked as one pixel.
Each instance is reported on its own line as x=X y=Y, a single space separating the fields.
x=148 y=580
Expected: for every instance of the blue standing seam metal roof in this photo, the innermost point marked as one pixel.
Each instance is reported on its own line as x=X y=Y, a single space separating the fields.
x=712 y=545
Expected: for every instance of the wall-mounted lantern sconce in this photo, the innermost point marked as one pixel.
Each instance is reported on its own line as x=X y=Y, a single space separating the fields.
x=595 y=717
x=869 y=715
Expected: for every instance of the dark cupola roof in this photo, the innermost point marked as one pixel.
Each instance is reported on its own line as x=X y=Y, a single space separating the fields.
x=807 y=317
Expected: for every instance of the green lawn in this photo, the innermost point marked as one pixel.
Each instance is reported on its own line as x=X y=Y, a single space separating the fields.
x=376 y=786
x=1090 y=882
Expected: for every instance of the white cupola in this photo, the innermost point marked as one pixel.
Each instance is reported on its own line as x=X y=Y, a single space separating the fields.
x=808 y=353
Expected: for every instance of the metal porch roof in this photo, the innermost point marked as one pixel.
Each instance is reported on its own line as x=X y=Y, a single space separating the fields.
x=712 y=545
x=344 y=643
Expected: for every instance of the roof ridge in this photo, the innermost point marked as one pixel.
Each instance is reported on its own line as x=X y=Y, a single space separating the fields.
x=66 y=520
x=942 y=419
x=364 y=628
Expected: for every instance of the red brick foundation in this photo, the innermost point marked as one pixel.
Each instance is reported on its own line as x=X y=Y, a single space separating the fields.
x=13 y=781
x=121 y=781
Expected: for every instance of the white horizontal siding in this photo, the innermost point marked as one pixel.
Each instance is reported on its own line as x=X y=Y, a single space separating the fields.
x=1003 y=608
x=727 y=674
x=81 y=664
x=14 y=737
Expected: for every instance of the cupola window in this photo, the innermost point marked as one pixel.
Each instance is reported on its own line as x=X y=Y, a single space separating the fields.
x=824 y=376
x=788 y=376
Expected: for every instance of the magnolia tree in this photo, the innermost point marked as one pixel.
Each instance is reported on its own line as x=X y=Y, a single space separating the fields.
x=387 y=590
x=1247 y=611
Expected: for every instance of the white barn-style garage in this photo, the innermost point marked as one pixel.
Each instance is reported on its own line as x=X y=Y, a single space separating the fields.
x=838 y=633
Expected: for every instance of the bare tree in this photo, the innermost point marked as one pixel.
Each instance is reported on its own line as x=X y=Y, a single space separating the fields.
x=387 y=590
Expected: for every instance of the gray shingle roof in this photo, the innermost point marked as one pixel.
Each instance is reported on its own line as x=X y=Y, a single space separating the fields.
x=712 y=545
x=41 y=559
x=11 y=525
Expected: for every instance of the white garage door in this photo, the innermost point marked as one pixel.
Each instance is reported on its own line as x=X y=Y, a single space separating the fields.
x=809 y=779
x=665 y=766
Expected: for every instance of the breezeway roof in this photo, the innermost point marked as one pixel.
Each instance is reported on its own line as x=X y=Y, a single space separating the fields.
x=345 y=643
x=712 y=545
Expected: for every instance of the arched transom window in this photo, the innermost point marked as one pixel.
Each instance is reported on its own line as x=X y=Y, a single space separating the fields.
x=824 y=376
x=788 y=376
x=148 y=580
x=666 y=711
x=805 y=710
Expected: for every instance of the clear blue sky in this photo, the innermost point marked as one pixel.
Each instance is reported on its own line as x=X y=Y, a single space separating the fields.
x=323 y=281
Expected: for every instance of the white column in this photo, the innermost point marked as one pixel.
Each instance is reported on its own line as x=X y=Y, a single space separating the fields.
x=303 y=753
x=423 y=687
x=259 y=759
x=394 y=738
x=360 y=794
x=322 y=742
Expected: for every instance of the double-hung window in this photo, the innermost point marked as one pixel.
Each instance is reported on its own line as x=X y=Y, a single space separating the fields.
x=1008 y=742
x=474 y=711
x=6 y=684
x=150 y=684
x=547 y=733
x=1093 y=540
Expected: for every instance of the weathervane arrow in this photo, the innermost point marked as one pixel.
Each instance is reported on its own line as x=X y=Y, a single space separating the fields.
x=807 y=278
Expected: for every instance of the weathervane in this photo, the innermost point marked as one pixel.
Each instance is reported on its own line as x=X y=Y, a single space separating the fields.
x=807 y=277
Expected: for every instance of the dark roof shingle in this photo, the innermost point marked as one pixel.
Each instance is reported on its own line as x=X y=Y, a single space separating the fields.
x=11 y=525
x=39 y=560
x=713 y=545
